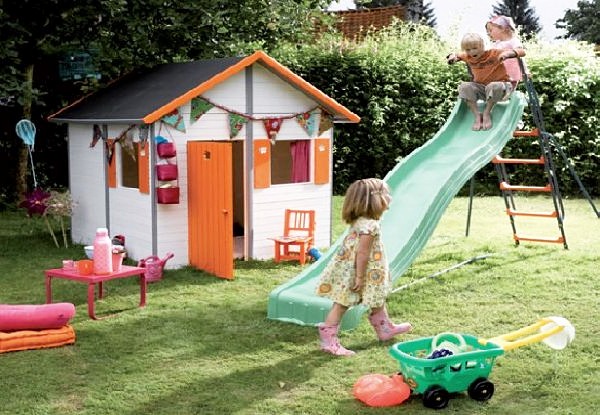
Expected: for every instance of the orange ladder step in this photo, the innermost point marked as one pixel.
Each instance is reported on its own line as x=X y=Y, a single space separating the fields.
x=512 y=212
x=533 y=133
x=506 y=186
x=501 y=160
x=557 y=240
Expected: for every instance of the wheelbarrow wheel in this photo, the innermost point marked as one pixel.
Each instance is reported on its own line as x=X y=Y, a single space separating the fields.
x=481 y=389
x=436 y=397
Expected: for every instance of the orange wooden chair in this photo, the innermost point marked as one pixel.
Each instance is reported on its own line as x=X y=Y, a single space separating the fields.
x=298 y=236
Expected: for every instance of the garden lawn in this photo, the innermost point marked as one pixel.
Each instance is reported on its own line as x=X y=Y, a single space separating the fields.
x=204 y=346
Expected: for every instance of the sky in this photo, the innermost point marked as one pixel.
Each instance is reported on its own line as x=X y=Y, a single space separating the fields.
x=456 y=17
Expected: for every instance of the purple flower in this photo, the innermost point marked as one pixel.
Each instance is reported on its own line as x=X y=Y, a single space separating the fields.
x=35 y=202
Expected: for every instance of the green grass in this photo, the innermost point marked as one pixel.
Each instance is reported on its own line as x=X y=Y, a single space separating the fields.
x=204 y=346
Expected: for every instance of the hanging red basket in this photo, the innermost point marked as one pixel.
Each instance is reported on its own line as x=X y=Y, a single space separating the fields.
x=167 y=195
x=166 y=150
x=166 y=172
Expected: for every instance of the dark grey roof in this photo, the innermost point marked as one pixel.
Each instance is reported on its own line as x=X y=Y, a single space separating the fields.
x=136 y=95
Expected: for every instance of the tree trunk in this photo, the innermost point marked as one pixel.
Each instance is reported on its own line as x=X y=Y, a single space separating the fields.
x=21 y=179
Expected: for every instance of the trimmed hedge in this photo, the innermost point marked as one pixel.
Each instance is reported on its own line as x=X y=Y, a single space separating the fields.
x=398 y=82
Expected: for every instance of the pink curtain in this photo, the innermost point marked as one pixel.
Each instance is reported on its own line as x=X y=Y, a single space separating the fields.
x=300 y=153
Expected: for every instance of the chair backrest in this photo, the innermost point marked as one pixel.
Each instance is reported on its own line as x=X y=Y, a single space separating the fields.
x=299 y=223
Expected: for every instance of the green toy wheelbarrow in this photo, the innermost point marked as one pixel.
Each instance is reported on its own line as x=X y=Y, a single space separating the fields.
x=449 y=363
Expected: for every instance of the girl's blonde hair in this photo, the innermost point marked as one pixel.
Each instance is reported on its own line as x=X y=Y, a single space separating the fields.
x=470 y=40
x=366 y=198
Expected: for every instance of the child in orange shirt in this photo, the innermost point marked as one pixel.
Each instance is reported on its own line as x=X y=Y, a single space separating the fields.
x=490 y=81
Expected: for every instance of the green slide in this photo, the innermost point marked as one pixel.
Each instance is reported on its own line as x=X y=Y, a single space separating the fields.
x=423 y=184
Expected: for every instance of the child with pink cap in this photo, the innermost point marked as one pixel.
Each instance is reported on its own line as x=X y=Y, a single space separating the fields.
x=502 y=31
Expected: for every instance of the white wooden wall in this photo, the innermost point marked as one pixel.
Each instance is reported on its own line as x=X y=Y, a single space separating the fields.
x=86 y=182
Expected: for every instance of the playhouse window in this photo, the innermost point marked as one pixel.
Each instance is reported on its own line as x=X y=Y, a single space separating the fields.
x=129 y=168
x=290 y=162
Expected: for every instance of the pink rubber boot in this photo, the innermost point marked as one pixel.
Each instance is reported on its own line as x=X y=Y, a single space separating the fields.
x=384 y=328
x=330 y=342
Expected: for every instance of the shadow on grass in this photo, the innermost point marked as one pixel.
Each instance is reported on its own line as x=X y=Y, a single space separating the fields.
x=238 y=390
x=175 y=352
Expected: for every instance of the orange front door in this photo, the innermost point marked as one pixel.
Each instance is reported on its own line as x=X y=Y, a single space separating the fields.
x=210 y=206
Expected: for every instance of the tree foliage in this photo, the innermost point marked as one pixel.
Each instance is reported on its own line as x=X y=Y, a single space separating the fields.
x=523 y=15
x=129 y=34
x=122 y=36
x=398 y=82
x=192 y=29
x=582 y=23
x=418 y=11
x=429 y=15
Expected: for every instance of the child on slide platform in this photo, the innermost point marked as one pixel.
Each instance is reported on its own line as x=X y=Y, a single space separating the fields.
x=503 y=34
x=490 y=81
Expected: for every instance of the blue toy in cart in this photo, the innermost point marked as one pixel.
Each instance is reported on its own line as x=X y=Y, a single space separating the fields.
x=449 y=362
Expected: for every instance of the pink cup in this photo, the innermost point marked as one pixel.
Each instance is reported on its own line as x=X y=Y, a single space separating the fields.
x=68 y=265
x=117 y=261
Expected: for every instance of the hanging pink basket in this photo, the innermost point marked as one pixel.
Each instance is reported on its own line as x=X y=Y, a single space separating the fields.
x=166 y=150
x=167 y=195
x=166 y=172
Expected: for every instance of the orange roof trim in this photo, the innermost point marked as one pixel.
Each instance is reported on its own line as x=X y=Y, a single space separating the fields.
x=327 y=102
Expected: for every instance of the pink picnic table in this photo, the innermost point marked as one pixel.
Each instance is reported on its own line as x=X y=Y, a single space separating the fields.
x=93 y=280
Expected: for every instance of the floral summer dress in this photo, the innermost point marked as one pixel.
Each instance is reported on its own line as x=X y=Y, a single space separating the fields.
x=338 y=277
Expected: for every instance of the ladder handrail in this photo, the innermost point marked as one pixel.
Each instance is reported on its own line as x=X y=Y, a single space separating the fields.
x=574 y=174
x=550 y=140
x=538 y=120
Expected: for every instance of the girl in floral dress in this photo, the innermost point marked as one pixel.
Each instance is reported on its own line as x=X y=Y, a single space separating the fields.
x=359 y=273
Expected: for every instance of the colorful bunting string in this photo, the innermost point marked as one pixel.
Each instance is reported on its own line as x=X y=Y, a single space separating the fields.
x=253 y=118
x=124 y=138
x=237 y=120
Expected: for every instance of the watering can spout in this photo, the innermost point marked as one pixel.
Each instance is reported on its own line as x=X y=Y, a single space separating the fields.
x=166 y=258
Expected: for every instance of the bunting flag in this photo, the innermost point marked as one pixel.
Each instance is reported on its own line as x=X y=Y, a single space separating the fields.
x=325 y=122
x=308 y=121
x=110 y=149
x=128 y=146
x=175 y=120
x=272 y=126
x=97 y=135
x=200 y=106
x=143 y=131
x=236 y=123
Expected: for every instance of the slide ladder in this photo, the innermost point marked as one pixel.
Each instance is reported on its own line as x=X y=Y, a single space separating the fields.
x=551 y=188
x=547 y=142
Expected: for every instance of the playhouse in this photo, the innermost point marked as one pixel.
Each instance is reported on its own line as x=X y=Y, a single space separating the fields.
x=201 y=159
